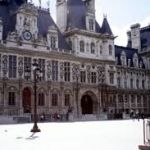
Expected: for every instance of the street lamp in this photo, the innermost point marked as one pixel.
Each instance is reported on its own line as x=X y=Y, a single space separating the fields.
x=36 y=76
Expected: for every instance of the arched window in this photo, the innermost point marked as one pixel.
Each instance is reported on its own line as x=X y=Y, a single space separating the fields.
x=101 y=49
x=81 y=46
x=67 y=99
x=11 y=98
x=110 y=50
x=135 y=60
x=123 y=59
x=137 y=83
x=92 y=48
x=70 y=44
x=41 y=99
x=143 y=84
x=91 y=24
x=54 y=99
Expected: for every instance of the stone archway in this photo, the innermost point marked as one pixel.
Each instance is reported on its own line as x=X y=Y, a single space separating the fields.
x=26 y=97
x=89 y=103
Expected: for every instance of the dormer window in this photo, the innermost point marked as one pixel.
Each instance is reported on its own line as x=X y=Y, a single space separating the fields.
x=101 y=49
x=123 y=59
x=70 y=44
x=52 y=37
x=135 y=60
x=91 y=24
x=110 y=50
x=92 y=48
x=81 y=46
x=53 y=42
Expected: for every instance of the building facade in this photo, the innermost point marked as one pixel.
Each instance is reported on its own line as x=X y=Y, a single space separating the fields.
x=81 y=67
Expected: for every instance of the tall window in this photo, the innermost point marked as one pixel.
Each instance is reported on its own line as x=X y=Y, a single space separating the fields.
x=119 y=82
x=92 y=48
x=67 y=71
x=11 y=98
x=131 y=83
x=70 y=44
x=67 y=100
x=41 y=99
x=54 y=70
x=143 y=84
x=53 y=42
x=82 y=46
x=110 y=50
x=91 y=24
x=93 y=77
x=42 y=68
x=111 y=78
x=12 y=66
x=54 y=99
x=137 y=83
x=83 y=76
x=27 y=68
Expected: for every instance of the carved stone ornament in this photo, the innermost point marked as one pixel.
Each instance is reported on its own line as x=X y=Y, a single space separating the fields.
x=101 y=74
x=49 y=70
x=75 y=72
x=20 y=66
x=61 y=70
x=5 y=65
x=88 y=68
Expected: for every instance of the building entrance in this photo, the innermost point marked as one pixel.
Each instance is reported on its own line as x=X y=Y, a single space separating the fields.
x=87 y=105
x=26 y=96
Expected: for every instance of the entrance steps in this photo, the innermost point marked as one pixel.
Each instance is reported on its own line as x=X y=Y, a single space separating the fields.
x=7 y=120
x=89 y=117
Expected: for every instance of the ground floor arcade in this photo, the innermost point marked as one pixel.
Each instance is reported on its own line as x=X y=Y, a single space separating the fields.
x=18 y=99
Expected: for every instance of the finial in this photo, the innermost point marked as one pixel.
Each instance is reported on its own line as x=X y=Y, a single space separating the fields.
x=48 y=4
x=105 y=16
x=30 y=1
x=40 y=3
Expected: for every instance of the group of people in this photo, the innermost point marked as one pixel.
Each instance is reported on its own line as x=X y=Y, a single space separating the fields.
x=58 y=117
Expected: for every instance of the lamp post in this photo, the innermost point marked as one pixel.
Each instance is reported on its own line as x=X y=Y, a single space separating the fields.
x=77 y=73
x=36 y=75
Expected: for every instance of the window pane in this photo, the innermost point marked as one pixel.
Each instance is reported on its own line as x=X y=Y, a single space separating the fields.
x=54 y=99
x=54 y=70
x=67 y=71
x=12 y=66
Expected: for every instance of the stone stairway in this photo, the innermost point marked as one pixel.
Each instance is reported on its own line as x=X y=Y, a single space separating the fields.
x=89 y=117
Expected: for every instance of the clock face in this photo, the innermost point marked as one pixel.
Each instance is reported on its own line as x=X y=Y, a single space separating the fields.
x=27 y=35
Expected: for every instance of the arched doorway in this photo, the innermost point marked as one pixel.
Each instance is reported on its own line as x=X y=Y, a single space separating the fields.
x=87 y=104
x=26 y=96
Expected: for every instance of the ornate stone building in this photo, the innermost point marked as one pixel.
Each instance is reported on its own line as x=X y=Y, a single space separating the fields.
x=81 y=67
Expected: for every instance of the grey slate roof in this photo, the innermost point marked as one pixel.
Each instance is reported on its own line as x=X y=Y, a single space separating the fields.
x=129 y=54
x=76 y=16
x=105 y=29
x=44 y=21
x=145 y=37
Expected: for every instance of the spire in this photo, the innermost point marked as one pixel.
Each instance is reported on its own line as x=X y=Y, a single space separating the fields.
x=105 y=29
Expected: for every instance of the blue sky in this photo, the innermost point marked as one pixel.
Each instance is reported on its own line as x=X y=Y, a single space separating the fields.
x=121 y=14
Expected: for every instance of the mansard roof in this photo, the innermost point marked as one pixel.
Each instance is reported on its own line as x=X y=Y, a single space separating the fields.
x=145 y=37
x=44 y=22
x=7 y=12
x=76 y=16
x=105 y=29
x=129 y=54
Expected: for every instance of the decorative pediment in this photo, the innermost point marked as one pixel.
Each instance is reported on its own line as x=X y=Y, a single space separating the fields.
x=28 y=9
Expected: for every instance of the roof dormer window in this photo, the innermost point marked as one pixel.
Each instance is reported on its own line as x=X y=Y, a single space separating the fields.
x=53 y=42
x=91 y=24
x=81 y=46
